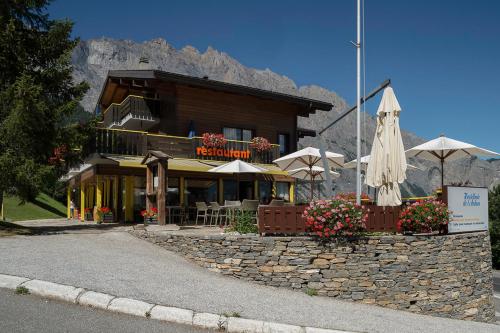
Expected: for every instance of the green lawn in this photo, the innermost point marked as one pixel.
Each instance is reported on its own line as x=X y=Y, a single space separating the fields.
x=44 y=207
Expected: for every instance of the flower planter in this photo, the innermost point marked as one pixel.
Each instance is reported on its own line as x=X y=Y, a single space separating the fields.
x=88 y=216
x=108 y=218
x=151 y=220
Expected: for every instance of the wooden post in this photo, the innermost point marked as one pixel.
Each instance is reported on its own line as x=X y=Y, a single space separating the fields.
x=68 y=201
x=256 y=189
x=129 y=198
x=82 y=201
x=116 y=186
x=160 y=191
x=292 y=192
x=181 y=191
x=149 y=187
x=221 y=191
x=98 y=193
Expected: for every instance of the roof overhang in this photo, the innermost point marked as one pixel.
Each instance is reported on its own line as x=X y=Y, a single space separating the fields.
x=141 y=78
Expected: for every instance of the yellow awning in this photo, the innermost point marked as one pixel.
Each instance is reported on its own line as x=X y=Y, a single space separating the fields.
x=186 y=164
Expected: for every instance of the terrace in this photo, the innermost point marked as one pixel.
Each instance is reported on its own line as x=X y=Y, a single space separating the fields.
x=138 y=143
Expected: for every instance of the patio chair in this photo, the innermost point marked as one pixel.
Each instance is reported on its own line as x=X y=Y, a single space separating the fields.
x=217 y=212
x=277 y=203
x=201 y=211
x=251 y=207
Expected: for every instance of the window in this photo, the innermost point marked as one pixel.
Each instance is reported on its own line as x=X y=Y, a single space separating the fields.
x=240 y=134
x=265 y=191
x=173 y=198
x=200 y=190
x=283 y=191
x=284 y=142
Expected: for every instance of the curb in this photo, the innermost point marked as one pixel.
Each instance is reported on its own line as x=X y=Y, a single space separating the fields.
x=139 y=308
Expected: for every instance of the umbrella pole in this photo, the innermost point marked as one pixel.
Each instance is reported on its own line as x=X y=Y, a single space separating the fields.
x=237 y=186
x=442 y=174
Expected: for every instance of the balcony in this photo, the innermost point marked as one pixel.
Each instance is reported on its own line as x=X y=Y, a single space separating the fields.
x=137 y=143
x=134 y=113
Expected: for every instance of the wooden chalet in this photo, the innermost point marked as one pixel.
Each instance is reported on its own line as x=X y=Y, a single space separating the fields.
x=148 y=150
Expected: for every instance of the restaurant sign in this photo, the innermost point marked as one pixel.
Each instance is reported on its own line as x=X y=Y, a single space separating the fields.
x=221 y=152
x=469 y=208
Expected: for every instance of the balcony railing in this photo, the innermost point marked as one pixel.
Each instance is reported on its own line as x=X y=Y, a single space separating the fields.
x=137 y=143
x=134 y=112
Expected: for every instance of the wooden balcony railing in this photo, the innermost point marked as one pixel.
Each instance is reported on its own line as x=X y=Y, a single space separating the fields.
x=136 y=107
x=137 y=143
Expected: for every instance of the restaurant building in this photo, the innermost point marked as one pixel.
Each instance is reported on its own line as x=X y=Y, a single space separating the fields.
x=149 y=148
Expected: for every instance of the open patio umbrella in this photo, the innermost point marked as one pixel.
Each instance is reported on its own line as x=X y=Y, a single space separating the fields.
x=307 y=158
x=237 y=167
x=445 y=149
x=364 y=164
x=387 y=164
x=313 y=174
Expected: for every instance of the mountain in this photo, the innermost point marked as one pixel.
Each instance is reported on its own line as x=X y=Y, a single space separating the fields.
x=93 y=58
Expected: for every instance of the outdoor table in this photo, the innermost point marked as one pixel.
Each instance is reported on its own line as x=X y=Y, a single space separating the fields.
x=231 y=209
x=173 y=208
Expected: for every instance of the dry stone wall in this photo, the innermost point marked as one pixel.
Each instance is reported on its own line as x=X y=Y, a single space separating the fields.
x=448 y=276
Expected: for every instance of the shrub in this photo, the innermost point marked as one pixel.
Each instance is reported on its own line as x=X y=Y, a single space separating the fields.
x=336 y=218
x=244 y=223
x=424 y=216
x=494 y=216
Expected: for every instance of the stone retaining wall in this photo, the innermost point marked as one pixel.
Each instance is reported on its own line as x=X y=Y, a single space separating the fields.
x=448 y=276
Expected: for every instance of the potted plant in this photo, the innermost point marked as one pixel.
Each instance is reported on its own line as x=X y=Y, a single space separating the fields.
x=150 y=216
x=88 y=214
x=425 y=216
x=337 y=218
x=107 y=214
x=213 y=140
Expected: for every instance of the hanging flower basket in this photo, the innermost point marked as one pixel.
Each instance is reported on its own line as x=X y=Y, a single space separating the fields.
x=260 y=144
x=213 y=140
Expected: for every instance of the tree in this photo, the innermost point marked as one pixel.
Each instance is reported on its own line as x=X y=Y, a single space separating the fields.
x=494 y=217
x=37 y=94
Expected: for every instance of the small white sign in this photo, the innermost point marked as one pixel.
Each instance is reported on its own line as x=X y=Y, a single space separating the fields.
x=469 y=209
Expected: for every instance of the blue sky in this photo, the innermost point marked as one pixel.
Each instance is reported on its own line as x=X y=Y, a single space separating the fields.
x=443 y=56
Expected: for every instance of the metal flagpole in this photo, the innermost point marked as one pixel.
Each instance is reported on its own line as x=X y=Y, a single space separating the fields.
x=358 y=107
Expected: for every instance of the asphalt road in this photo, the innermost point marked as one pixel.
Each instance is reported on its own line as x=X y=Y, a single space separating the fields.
x=28 y=313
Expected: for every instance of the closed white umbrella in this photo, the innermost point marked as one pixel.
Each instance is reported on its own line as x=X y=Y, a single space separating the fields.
x=307 y=158
x=312 y=174
x=445 y=149
x=387 y=165
x=237 y=167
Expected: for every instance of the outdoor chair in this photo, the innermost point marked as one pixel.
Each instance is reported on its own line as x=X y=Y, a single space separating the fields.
x=217 y=213
x=201 y=212
x=276 y=203
x=251 y=207
x=177 y=214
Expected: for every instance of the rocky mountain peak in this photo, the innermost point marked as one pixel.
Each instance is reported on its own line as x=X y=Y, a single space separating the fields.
x=92 y=59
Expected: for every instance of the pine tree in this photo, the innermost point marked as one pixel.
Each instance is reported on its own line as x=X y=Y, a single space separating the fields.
x=37 y=94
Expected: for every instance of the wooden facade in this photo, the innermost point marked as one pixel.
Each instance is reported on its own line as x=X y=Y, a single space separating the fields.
x=144 y=111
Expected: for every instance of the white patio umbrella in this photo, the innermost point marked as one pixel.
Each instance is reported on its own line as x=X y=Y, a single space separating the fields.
x=445 y=149
x=307 y=158
x=313 y=174
x=364 y=164
x=237 y=167
x=387 y=164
